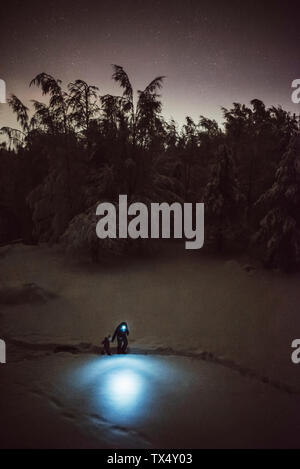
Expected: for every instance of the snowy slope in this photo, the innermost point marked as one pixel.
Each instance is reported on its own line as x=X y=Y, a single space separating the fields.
x=188 y=303
x=209 y=364
x=137 y=401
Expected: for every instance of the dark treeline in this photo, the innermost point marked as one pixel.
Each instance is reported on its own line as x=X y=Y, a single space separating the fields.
x=82 y=148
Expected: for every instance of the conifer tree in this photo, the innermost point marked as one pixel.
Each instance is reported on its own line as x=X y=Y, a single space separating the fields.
x=223 y=200
x=279 y=232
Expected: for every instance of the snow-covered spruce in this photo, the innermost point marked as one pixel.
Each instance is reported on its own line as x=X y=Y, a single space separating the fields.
x=223 y=200
x=279 y=232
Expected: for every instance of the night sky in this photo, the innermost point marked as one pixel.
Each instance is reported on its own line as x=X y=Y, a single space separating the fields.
x=212 y=52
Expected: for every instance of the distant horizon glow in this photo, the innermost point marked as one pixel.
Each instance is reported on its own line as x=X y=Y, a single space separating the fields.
x=212 y=54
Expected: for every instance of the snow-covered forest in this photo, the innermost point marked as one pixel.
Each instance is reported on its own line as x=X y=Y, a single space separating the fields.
x=209 y=361
x=76 y=148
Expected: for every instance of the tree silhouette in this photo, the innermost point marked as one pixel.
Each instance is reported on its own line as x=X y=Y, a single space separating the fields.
x=143 y=118
x=82 y=100
x=58 y=102
x=78 y=149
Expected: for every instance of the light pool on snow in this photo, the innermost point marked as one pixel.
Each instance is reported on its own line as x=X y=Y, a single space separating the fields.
x=122 y=388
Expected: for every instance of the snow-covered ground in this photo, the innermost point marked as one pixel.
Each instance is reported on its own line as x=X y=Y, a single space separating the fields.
x=139 y=401
x=210 y=363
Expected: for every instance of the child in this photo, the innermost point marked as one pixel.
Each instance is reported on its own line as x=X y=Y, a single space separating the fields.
x=106 y=346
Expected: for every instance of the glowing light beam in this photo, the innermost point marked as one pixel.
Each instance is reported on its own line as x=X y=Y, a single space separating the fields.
x=121 y=387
